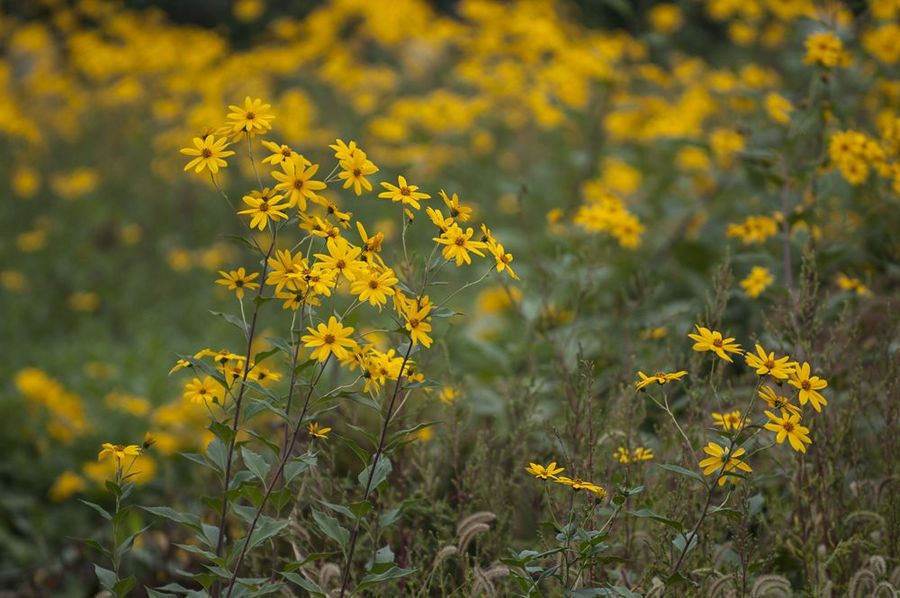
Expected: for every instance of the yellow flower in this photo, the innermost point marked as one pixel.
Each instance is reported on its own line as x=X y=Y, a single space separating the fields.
x=458 y=243
x=778 y=108
x=722 y=460
x=316 y=432
x=13 y=280
x=264 y=206
x=438 y=219
x=65 y=485
x=766 y=363
x=754 y=229
x=343 y=151
x=417 y=322
x=712 y=340
x=458 y=211
x=852 y=284
x=329 y=339
x=375 y=286
x=788 y=426
x=725 y=145
x=202 y=391
x=642 y=454
x=209 y=152
x=757 y=281
x=118 y=451
x=371 y=245
x=238 y=280
x=729 y=421
x=448 y=395
x=655 y=334
x=252 y=118
x=503 y=259
x=544 y=473
x=286 y=270
x=776 y=401
x=296 y=180
x=403 y=192
x=809 y=386
x=355 y=170
x=579 y=484
x=665 y=18
x=825 y=49
x=248 y=11
x=622 y=455
x=658 y=377
x=281 y=153
x=342 y=258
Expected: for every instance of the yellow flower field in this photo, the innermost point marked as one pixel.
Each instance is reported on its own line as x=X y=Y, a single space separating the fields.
x=456 y=298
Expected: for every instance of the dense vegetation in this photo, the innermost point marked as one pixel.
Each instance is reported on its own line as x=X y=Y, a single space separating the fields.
x=385 y=300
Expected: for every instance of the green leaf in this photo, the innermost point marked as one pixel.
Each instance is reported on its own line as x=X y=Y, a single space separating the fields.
x=239 y=240
x=281 y=343
x=210 y=556
x=382 y=561
x=125 y=545
x=113 y=488
x=733 y=513
x=99 y=509
x=304 y=366
x=407 y=435
x=360 y=452
x=375 y=579
x=298 y=465
x=221 y=431
x=682 y=471
x=107 y=578
x=310 y=558
x=308 y=585
x=198 y=459
x=231 y=319
x=255 y=463
x=267 y=528
x=339 y=509
x=95 y=545
x=366 y=401
x=280 y=498
x=171 y=514
x=681 y=540
x=677 y=578
x=382 y=469
x=124 y=586
x=263 y=355
x=329 y=526
x=391 y=516
x=217 y=453
x=648 y=514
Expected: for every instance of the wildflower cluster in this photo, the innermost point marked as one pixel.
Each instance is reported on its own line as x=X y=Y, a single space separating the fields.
x=324 y=277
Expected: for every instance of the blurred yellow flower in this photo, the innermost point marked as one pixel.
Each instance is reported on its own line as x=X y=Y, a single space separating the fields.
x=757 y=281
x=65 y=485
x=316 y=432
